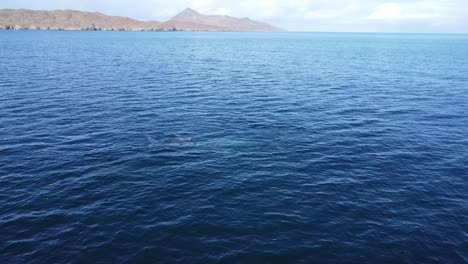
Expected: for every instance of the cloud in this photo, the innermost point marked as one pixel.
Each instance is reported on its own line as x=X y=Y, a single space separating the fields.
x=418 y=10
x=387 y=11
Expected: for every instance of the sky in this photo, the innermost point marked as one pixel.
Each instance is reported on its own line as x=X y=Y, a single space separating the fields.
x=422 y=16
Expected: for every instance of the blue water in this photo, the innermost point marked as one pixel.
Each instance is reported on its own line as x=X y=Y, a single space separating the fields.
x=119 y=147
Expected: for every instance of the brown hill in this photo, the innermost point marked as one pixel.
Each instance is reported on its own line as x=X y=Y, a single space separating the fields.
x=69 y=20
x=188 y=20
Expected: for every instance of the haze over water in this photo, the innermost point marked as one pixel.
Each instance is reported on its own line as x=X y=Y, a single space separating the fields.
x=129 y=147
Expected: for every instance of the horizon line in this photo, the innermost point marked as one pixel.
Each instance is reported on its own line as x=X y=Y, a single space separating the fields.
x=233 y=16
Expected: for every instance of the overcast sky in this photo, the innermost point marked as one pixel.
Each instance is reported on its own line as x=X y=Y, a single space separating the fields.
x=302 y=15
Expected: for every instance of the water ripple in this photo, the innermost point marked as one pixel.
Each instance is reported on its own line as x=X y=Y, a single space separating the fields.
x=233 y=147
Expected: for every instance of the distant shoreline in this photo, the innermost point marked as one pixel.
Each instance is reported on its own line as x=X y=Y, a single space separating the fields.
x=160 y=31
x=72 y=20
x=209 y=31
x=103 y=30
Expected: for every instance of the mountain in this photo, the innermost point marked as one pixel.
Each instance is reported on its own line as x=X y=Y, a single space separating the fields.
x=69 y=20
x=188 y=20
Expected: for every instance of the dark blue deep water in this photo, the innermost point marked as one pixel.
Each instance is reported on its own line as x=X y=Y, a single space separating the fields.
x=233 y=147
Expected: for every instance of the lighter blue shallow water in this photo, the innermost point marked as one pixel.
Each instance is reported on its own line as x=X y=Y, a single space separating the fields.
x=233 y=147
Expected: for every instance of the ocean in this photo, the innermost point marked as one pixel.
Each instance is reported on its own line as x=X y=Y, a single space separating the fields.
x=165 y=147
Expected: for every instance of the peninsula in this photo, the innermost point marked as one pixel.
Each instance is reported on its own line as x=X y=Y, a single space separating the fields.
x=187 y=20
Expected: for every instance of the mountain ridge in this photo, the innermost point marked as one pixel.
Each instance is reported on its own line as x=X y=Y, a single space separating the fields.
x=187 y=20
x=227 y=22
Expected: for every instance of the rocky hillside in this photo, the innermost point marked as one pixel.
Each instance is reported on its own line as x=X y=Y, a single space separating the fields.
x=188 y=20
x=69 y=20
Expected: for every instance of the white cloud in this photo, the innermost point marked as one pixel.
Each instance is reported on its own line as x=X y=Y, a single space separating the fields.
x=387 y=11
x=223 y=11
x=417 y=10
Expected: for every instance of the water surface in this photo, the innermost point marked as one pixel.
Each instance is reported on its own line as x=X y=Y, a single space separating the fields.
x=120 y=147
